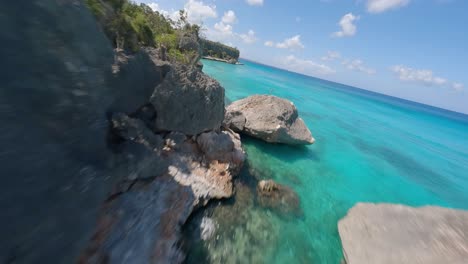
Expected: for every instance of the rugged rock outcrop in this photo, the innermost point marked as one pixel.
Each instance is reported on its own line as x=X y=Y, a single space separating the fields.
x=189 y=41
x=279 y=198
x=224 y=146
x=269 y=118
x=62 y=165
x=143 y=220
x=188 y=101
x=398 y=234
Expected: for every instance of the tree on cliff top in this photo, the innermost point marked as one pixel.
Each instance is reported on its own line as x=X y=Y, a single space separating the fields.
x=131 y=26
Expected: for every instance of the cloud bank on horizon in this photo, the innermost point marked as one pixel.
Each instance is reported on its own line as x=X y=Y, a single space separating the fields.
x=357 y=49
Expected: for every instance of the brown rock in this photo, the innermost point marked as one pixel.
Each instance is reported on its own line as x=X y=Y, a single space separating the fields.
x=279 y=198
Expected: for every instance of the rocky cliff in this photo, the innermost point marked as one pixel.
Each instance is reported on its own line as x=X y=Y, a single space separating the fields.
x=92 y=169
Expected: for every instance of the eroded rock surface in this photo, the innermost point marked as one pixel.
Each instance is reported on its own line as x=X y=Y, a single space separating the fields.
x=188 y=101
x=144 y=218
x=278 y=198
x=269 y=118
x=224 y=146
x=398 y=234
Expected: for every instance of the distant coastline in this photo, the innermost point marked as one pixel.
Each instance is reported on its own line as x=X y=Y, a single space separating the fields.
x=235 y=62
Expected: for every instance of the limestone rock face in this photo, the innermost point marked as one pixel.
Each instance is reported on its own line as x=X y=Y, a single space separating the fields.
x=189 y=41
x=188 y=101
x=269 y=118
x=223 y=146
x=142 y=223
x=279 y=198
x=398 y=234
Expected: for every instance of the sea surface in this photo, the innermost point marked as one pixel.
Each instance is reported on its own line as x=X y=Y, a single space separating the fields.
x=369 y=148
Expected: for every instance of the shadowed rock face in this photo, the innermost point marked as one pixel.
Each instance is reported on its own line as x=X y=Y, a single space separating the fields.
x=188 y=101
x=61 y=82
x=391 y=234
x=269 y=118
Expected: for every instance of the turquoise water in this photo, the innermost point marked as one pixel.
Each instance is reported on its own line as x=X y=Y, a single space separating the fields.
x=369 y=148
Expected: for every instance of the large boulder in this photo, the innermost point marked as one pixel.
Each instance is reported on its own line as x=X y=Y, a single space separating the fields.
x=269 y=118
x=188 y=101
x=398 y=234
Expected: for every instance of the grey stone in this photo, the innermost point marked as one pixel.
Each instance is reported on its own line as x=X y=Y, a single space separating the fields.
x=188 y=101
x=269 y=118
x=190 y=43
x=398 y=234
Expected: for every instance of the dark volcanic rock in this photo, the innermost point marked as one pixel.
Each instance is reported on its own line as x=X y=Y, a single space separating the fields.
x=188 y=101
x=279 y=198
x=269 y=118
x=398 y=234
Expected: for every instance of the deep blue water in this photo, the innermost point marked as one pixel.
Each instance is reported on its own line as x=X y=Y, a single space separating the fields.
x=369 y=147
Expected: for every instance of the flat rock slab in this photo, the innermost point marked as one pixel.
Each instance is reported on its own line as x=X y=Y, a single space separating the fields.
x=398 y=234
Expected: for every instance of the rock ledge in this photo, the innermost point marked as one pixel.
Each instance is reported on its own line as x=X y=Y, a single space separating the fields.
x=398 y=234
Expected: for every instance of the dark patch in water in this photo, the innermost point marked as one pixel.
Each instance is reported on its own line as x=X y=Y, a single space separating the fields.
x=417 y=172
x=283 y=152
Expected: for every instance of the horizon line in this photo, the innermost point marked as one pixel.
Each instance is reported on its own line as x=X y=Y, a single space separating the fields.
x=358 y=88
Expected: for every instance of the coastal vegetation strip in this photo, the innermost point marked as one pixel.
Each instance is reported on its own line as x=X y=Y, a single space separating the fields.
x=217 y=51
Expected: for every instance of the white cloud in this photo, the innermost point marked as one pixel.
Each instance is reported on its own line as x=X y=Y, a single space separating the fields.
x=222 y=28
x=255 y=2
x=331 y=56
x=292 y=43
x=269 y=43
x=305 y=66
x=248 y=38
x=379 y=6
x=229 y=17
x=458 y=87
x=154 y=7
x=197 y=11
x=424 y=77
x=358 y=65
x=174 y=15
x=348 y=28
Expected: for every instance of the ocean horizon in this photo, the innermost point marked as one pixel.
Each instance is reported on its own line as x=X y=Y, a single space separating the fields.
x=369 y=147
x=462 y=116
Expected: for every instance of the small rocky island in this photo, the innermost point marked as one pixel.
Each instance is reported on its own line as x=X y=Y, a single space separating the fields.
x=268 y=118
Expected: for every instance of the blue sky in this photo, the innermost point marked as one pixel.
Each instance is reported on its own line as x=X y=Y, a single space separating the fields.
x=413 y=49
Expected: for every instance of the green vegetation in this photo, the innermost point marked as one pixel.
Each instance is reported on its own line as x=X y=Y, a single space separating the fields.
x=219 y=50
x=131 y=26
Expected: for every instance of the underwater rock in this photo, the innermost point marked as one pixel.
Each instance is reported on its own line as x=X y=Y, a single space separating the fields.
x=279 y=198
x=269 y=118
x=392 y=233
